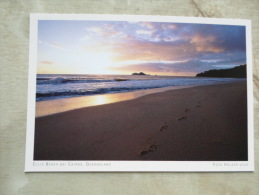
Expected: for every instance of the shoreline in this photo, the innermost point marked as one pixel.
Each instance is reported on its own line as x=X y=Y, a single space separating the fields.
x=205 y=123
x=73 y=103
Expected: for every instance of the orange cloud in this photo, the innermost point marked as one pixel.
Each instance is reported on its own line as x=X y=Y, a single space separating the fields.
x=150 y=51
x=205 y=44
x=46 y=62
x=149 y=25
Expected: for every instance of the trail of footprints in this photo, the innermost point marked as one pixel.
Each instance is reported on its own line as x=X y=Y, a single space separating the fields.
x=163 y=128
x=153 y=147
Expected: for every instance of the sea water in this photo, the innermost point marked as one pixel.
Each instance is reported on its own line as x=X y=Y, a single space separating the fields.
x=56 y=86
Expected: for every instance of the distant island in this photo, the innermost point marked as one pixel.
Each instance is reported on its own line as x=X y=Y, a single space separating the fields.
x=236 y=72
x=141 y=73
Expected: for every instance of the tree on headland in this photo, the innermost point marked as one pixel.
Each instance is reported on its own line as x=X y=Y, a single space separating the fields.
x=236 y=72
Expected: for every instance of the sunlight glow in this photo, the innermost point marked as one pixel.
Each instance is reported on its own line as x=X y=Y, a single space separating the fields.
x=99 y=63
x=119 y=47
x=99 y=100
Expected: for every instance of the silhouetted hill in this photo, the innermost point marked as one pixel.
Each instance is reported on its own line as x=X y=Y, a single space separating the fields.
x=141 y=73
x=236 y=72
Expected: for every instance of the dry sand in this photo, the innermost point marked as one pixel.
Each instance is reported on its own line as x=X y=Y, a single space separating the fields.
x=206 y=123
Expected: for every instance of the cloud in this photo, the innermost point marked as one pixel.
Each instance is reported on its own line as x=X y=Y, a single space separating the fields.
x=149 y=25
x=190 y=67
x=144 y=32
x=57 y=45
x=182 y=41
x=46 y=62
x=108 y=30
x=160 y=31
x=205 y=43
x=197 y=47
x=225 y=37
x=95 y=30
x=158 y=25
x=53 y=44
x=140 y=49
x=216 y=38
x=158 y=40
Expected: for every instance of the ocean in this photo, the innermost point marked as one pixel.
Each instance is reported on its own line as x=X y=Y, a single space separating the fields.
x=56 y=86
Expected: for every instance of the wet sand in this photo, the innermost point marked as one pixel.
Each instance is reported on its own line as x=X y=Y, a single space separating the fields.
x=62 y=105
x=205 y=123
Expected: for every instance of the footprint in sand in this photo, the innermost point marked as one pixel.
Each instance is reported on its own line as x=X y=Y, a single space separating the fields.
x=187 y=110
x=163 y=128
x=151 y=148
x=182 y=118
x=143 y=153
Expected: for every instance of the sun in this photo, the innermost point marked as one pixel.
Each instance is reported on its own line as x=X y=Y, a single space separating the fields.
x=99 y=63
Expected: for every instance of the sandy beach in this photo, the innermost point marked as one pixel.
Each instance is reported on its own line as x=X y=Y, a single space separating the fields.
x=205 y=123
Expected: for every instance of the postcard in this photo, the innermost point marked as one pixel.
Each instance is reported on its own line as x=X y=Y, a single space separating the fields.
x=140 y=93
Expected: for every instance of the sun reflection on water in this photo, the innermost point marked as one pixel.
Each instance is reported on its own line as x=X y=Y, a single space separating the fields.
x=66 y=104
x=99 y=100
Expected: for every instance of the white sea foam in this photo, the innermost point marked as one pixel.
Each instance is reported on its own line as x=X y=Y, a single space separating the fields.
x=61 y=86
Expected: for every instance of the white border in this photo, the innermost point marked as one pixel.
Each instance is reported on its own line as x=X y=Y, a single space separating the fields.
x=133 y=166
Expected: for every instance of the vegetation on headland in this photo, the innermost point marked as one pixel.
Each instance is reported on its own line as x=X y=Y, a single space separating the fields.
x=236 y=72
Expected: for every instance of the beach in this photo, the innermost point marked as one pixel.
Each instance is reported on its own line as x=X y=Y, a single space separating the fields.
x=202 y=123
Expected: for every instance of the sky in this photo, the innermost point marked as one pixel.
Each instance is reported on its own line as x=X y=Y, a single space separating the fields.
x=121 y=47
